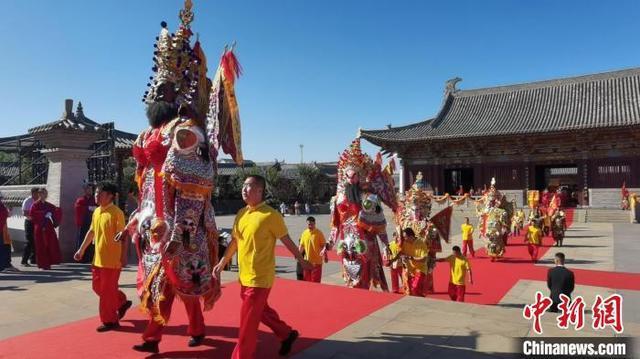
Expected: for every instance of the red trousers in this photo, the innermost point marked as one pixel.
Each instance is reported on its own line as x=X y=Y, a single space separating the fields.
x=416 y=284
x=396 y=279
x=468 y=244
x=255 y=310
x=456 y=292
x=533 y=251
x=105 y=285
x=313 y=275
x=153 y=332
x=428 y=284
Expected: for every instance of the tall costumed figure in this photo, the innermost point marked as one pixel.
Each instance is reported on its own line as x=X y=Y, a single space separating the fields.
x=494 y=221
x=414 y=210
x=190 y=119
x=357 y=217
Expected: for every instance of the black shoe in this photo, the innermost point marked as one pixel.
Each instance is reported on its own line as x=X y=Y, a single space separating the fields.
x=26 y=265
x=285 y=347
x=147 y=347
x=195 y=341
x=107 y=327
x=123 y=309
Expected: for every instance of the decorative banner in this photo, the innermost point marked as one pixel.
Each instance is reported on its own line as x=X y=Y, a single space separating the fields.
x=554 y=205
x=460 y=201
x=442 y=222
x=533 y=198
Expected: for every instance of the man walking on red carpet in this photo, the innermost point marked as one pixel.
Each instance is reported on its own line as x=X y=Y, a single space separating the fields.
x=255 y=231
x=313 y=245
x=533 y=238
x=109 y=258
x=467 y=238
x=458 y=273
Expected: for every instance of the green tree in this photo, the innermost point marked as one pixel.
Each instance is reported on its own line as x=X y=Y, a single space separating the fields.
x=309 y=182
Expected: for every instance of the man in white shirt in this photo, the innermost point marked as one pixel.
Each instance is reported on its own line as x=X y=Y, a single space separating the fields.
x=29 y=254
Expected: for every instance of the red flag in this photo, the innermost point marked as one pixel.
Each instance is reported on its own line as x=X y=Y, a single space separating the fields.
x=442 y=222
x=553 y=205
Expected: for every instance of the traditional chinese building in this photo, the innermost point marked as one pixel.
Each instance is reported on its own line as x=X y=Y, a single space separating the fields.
x=61 y=155
x=577 y=133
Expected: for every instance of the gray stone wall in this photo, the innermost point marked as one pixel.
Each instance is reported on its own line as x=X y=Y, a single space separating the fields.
x=607 y=197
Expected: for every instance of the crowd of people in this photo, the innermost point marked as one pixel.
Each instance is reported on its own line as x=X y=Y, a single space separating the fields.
x=41 y=218
x=296 y=209
x=174 y=232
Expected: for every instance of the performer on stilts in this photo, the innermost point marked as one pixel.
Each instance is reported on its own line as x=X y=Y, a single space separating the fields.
x=494 y=221
x=357 y=217
x=414 y=211
x=174 y=227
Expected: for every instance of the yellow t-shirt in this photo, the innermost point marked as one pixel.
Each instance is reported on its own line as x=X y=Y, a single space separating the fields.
x=313 y=242
x=106 y=222
x=395 y=249
x=534 y=235
x=459 y=267
x=416 y=249
x=256 y=231
x=467 y=232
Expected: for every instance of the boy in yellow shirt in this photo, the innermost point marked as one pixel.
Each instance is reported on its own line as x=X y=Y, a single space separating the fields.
x=414 y=258
x=467 y=238
x=533 y=238
x=459 y=268
x=395 y=267
x=313 y=245
x=109 y=258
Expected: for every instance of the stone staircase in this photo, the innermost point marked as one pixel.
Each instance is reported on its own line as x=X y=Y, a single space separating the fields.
x=596 y=215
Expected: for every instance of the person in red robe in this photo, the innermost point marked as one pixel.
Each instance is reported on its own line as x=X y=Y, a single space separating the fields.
x=46 y=217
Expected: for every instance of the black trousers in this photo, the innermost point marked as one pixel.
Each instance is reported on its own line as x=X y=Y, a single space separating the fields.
x=30 y=249
x=5 y=254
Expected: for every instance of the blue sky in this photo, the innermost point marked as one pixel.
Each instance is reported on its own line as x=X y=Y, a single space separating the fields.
x=315 y=71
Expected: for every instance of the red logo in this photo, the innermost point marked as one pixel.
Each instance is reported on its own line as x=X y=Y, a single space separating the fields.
x=605 y=312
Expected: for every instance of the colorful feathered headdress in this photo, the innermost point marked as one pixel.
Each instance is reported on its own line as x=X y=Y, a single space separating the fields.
x=415 y=197
x=353 y=158
x=175 y=62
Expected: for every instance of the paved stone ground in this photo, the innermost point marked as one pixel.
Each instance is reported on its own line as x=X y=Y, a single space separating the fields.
x=409 y=328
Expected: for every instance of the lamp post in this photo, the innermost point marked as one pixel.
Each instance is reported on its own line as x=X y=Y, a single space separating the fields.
x=301 y=153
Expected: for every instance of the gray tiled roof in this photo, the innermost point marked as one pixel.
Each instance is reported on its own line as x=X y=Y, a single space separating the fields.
x=610 y=99
x=81 y=123
x=124 y=140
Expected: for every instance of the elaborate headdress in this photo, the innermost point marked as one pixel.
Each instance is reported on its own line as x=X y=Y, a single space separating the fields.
x=353 y=158
x=415 y=198
x=176 y=63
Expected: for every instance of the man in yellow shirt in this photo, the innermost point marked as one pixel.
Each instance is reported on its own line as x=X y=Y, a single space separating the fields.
x=313 y=245
x=109 y=258
x=459 y=266
x=395 y=267
x=255 y=231
x=414 y=257
x=467 y=238
x=533 y=240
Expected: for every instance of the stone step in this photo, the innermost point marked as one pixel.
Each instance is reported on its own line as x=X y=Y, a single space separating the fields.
x=607 y=216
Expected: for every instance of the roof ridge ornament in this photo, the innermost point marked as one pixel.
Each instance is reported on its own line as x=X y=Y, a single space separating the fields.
x=450 y=86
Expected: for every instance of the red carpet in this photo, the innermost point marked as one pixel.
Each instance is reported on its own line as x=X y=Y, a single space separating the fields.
x=493 y=280
x=317 y=311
